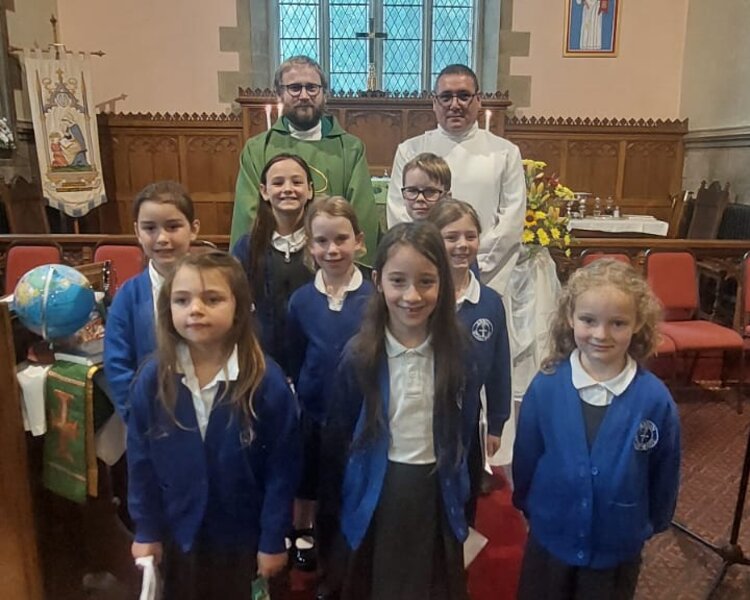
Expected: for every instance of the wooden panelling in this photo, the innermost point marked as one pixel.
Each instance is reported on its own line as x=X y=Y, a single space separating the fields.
x=638 y=163
x=200 y=151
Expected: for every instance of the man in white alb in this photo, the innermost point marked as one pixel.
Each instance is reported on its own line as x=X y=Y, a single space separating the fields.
x=487 y=173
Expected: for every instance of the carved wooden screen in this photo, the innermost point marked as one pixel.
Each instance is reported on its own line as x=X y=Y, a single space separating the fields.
x=637 y=162
x=200 y=151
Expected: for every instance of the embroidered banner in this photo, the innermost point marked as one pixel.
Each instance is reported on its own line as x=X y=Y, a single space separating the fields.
x=67 y=139
x=69 y=453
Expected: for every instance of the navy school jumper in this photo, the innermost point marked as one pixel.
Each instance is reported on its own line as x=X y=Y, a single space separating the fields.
x=281 y=277
x=352 y=480
x=485 y=322
x=231 y=490
x=596 y=508
x=316 y=336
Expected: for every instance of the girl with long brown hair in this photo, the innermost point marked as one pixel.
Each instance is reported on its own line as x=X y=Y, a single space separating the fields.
x=395 y=469
x=272 y=254
x=213 y=450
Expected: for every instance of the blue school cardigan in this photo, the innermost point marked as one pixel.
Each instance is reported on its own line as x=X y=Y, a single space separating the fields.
x=230 y=492
x=485 y=322
x=316 y=335
x=596 y=509
x=129 y=337
x=352 y=477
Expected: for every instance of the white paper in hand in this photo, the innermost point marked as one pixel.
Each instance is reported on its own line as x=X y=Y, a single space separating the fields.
x=151 y=586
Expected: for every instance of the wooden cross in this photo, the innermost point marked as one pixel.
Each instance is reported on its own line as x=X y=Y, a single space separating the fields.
x=371 y=36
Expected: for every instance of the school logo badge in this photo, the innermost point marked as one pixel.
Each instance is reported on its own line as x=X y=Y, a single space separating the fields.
x=647 y=436
x=482 y=330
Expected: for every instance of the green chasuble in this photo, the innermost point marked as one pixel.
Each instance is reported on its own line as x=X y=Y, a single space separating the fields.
x=338 y=165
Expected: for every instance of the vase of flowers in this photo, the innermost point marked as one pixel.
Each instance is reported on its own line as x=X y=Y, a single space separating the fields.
x=7 y=141
x=545 y=225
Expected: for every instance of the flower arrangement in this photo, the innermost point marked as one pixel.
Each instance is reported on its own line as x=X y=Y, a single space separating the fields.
x=544 y=225
x=7 y=141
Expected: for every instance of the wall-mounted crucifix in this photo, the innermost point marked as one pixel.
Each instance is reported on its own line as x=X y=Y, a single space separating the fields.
x=371 y=36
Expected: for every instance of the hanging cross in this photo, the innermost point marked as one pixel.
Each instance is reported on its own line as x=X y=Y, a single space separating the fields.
x=371 y=36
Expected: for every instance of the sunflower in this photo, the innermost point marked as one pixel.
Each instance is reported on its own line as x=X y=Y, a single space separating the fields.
x=530 y=220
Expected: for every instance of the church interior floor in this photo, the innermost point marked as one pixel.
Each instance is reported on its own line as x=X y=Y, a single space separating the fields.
x=674 y=566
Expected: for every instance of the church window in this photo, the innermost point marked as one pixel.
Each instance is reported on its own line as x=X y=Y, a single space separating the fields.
x=423 y=36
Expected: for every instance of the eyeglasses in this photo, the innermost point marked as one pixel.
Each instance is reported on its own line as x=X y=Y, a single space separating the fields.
x=429 y=194
x=446 y=98
x=295 y=89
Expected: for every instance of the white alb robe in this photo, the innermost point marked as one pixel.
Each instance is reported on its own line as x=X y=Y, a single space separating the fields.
x=487 y=173
x=591 y=25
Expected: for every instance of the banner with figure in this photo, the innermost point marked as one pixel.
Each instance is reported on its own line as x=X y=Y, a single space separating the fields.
x=67 y=139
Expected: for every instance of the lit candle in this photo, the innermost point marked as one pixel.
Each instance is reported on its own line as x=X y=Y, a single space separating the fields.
x=487 y=117
x=279 y=109
x=268 y=116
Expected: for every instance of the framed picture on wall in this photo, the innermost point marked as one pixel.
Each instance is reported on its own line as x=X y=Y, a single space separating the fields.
x=591 y=28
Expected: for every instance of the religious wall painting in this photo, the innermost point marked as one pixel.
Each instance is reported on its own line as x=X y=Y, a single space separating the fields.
x=591 y=28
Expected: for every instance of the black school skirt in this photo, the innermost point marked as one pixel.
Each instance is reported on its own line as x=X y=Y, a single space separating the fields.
x=409 y=551
x=207 y=573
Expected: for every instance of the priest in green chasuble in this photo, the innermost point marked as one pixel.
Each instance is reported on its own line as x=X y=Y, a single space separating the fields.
x=336 y=158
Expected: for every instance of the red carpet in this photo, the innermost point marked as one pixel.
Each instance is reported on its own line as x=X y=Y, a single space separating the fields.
x=494 y=573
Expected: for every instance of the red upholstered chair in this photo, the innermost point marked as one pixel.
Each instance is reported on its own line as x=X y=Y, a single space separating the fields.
x=590 y=255
x=674 y=279
x=744 y=300
x=126 y=261
x=22 y=257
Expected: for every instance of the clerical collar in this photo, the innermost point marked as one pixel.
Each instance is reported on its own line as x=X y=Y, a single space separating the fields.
x=314 y=134
x=459 y=137
x=289 y=244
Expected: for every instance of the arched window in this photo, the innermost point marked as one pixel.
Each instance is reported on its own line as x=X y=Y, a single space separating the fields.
x=423 y=36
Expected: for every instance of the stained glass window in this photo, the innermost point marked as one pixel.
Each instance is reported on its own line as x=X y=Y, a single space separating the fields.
x=423 y=37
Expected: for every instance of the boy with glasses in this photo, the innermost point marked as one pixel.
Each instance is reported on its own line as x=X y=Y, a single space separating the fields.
x=336 y=158
x=427 y=180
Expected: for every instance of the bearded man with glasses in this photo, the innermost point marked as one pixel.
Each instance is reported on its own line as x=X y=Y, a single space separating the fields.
x=336 y=158
x=486 y=172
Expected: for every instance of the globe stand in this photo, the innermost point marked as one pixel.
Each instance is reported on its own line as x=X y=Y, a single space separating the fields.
x=731 y=553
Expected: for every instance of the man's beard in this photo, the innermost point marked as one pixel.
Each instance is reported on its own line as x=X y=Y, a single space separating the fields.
x=305 y=121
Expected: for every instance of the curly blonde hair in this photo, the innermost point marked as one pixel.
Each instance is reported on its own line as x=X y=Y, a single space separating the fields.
x=600 y=273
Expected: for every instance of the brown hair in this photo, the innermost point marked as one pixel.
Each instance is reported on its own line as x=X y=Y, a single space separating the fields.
x=251 y=362
x=333 y=206
x=449 y=211
x=298 y=61
x=433 y=166
x=165 y=192
x=265 y=223
x=448 y=339
x=600 y=273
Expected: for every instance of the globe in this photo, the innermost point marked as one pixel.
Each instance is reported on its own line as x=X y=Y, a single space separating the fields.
x=53 y=301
